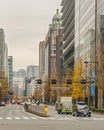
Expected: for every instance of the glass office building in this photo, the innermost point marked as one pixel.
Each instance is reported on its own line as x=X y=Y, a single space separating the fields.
x=89 y=40
x=2 y=49
x=83 y=38
x=68 y=24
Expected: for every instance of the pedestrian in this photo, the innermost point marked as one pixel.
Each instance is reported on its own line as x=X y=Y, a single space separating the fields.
x=37 y=103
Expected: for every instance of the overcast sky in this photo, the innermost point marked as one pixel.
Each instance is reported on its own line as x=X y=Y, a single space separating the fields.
x=25 y=24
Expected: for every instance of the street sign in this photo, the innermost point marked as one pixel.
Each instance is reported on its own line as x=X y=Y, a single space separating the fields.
x=60 y=88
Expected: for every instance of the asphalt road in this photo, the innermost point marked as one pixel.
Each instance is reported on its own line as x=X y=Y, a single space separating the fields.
x=13 y=117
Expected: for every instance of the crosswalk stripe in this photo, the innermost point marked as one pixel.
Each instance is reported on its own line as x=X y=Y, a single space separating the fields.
x=53 y=118
x=26 y=118
x=43 y=118
x=98 y=119
x=9 y=118
x=102 y=118
x=66 y=118
x=33 y=117
x=17 y=118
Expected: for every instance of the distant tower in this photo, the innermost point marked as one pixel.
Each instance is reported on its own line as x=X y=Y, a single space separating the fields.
x=53 y=48
x=53 y=45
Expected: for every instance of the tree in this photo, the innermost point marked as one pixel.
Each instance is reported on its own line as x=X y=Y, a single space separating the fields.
x=3 y=87
x=78 y=92
x=68 y=76
x=53 y=92
x=46 y=90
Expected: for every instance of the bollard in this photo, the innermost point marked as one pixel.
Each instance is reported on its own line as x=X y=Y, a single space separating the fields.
x=46 y=109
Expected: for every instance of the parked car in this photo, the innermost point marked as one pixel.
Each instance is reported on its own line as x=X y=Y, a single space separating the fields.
x=2 y=103
x=19 y=101
x=81 y=109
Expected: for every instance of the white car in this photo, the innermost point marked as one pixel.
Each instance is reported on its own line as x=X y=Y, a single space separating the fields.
x=2 y=103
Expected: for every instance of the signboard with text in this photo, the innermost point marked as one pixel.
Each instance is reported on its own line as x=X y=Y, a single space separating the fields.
x=60 y=88
x=92 y=83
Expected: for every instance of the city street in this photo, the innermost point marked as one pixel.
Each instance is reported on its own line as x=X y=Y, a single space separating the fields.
x=14 y=117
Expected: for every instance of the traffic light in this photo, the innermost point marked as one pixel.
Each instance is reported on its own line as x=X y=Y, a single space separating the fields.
x=83 y=81
x=39 y=81
x=69 y=81
x=53 y=81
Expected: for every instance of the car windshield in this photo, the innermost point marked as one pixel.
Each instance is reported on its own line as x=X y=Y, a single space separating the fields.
x=67 y=104
x=82 y=107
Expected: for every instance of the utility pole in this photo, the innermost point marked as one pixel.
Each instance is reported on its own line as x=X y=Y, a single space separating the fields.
x=86 y=94
x=96 y=63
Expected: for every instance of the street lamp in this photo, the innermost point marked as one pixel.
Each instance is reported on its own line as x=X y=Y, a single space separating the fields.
x=86 y=95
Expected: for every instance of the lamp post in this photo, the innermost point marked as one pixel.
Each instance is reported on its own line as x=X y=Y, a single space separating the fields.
x=86 y=96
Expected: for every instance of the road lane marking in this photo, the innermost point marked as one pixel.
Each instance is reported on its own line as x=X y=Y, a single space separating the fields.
x=26 y=118
x=66 y=118
x=98 y=119
x=102 y=118
x=34 y=118
x=52 y=118
x=17 y=118
x=9 y=118
x=44 y=118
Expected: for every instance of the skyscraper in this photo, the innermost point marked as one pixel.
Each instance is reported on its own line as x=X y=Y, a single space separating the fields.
x=41 y=58
x=32 y=71
x=2 y=51
x=21 y=73
x=83 y=37
x=68 y=24
x=3 y=66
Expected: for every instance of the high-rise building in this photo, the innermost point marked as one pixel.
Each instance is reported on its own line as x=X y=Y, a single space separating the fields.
x=83 y=38
x=68 y=24
x=21 y=73
x=2 y=51
x=89 y=28
x=52 y=46
x=32 y=71
x=18 y=86
x=3 y=66
x=6 y=61
x=53 y=49
x=41 y=58
x=10 y=69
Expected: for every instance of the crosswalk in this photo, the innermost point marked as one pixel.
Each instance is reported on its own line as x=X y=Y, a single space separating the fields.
x=51 y=118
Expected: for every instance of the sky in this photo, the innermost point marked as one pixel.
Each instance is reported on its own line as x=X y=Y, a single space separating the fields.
x=25 y=24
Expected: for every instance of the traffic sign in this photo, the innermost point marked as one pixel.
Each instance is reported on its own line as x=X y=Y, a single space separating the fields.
x=60 y=88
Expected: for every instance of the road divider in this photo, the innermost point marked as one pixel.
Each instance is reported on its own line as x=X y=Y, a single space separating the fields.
x=41 y=110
